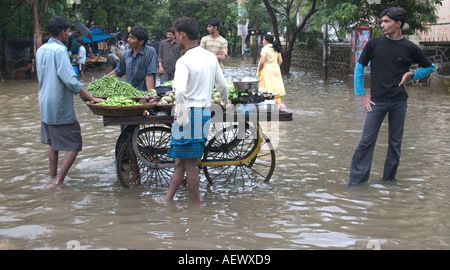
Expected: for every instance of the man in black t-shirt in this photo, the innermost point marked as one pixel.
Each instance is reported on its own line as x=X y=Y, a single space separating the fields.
x=390 y=58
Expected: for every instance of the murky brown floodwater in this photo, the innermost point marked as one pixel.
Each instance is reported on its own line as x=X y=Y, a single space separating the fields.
x=305 y=206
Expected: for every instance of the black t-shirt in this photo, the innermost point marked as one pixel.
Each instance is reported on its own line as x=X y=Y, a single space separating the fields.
x=389 y=61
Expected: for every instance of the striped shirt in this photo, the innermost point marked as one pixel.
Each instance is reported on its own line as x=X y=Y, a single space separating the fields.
x=215 y=45
x=137 y=67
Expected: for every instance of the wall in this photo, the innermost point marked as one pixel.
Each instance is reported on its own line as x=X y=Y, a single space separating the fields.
x=339 y=59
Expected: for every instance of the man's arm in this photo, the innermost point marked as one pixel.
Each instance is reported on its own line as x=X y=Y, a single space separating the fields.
x=85 y=94
x=150 y=82
x=359 y=88
x=418 y=74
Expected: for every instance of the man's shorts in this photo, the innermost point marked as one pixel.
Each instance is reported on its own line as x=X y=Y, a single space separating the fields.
x=81 y=67
x=189 y=141
x=62 y=137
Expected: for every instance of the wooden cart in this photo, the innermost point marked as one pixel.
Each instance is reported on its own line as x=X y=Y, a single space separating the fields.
x=236 y=148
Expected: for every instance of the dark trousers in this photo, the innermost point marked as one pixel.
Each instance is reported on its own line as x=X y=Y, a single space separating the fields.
x=362 y=158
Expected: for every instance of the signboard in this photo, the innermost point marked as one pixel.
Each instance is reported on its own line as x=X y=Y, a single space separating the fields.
x=360 y=37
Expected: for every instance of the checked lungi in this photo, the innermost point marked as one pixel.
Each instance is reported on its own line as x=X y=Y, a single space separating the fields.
x=189 y=141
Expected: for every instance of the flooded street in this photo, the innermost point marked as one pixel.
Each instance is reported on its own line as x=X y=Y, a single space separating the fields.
x=305 y=205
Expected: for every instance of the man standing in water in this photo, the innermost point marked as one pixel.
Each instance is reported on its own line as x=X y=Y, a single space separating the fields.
x=196 y=74
x=57 y=85
x=390 y=57
x=214 y=42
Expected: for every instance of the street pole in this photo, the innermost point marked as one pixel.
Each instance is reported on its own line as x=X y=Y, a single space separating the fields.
x=325 y=48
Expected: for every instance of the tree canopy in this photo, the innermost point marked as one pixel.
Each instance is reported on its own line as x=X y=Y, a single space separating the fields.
x=291 y=19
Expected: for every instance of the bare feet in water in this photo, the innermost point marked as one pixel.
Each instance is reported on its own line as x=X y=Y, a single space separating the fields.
x=55 y=184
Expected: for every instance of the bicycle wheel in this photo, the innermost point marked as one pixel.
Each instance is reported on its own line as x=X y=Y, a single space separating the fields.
x=151 y=145
x=235 y=143
x=127 y=165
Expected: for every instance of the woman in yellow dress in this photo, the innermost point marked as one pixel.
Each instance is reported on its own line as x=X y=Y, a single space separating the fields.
x=269 y=72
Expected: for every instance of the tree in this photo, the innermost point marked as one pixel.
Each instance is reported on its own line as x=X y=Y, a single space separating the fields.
x=38 y=18
x=348 y=13
x=341 y=14
x=288 y=12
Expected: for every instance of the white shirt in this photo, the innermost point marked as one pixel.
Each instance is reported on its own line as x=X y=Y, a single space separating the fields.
x=197 y=72
x=81 y=56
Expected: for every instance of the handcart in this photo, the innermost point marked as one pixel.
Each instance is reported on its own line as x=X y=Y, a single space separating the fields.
x=236 y=147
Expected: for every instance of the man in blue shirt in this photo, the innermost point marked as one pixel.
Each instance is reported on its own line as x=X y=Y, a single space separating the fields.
x=390 y=57
x=57 y=85
x=139 y=62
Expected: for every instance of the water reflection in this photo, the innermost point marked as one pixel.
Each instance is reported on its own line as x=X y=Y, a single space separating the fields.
x=304 y=206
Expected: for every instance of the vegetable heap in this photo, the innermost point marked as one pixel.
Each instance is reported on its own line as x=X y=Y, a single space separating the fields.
x=232 y=93
x=111 y=86
x=167 y=83
x=119 y=101
x=167 y=99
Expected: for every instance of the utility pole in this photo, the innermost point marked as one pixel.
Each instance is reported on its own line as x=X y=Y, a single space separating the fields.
x=325 y=47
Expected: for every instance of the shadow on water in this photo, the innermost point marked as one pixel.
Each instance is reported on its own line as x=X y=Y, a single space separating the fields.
x=304 y=206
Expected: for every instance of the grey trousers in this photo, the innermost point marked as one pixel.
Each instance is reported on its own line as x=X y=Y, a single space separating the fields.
x=362 y=158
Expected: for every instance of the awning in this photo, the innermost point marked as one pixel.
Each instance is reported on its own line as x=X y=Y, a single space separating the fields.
x=95 y=38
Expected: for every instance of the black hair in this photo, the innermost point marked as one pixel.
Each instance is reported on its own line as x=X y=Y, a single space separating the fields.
x=57 y=24
x=141 y=33
x=276 y=45
x=170 y=29
x=398 y=14
x=214 y=22
x=188 y=26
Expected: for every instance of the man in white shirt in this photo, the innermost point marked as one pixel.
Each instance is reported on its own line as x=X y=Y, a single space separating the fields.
x=81 y=58
x=196 y=74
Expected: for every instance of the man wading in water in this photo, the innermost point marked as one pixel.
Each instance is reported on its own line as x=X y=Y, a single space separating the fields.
x=390 y=58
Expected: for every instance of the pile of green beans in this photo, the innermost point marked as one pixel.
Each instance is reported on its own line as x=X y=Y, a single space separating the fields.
x=119 y=101
x=111 y=86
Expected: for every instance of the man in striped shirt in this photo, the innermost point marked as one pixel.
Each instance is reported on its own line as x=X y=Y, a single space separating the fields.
x=214 y=42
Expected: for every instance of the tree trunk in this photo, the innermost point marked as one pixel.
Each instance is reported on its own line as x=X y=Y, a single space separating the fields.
x=287 y=54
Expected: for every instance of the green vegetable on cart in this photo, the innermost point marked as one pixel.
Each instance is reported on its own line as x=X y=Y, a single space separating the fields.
x=111 y=86
x=119 y=101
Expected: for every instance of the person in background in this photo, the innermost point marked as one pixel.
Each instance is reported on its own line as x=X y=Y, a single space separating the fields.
x=139 y=62
x=269 y=71
x=155 y=44
x=196 y=74
x=122 y=46
x=81 y=58
x=169 y=52
x=214 y=42
x=58 y=83
x=390 y=57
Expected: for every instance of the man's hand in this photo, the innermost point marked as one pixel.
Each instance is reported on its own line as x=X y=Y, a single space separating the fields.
x=407 y=75
x=366 y=102
x=97 y=100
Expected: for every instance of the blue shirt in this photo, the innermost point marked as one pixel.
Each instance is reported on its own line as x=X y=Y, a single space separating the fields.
x=137 y=67
x=57 y=84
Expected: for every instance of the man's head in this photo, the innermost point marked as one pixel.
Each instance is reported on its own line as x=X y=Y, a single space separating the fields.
x=57 y=24
x=170 y=34
x=186 y=29
x=138 y=36
x=397 y=15
x=213 y=25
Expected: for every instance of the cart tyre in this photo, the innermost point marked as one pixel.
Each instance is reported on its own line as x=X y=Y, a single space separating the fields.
x=151 y=145
x=127 y=165
x=259 y=169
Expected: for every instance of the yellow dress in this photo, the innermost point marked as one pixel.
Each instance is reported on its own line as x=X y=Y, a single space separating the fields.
x=270 y=75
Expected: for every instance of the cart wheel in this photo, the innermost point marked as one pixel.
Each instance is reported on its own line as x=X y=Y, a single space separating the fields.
x=128 y=166
x=238 y=142
x=126 y=134
x=151 y=145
